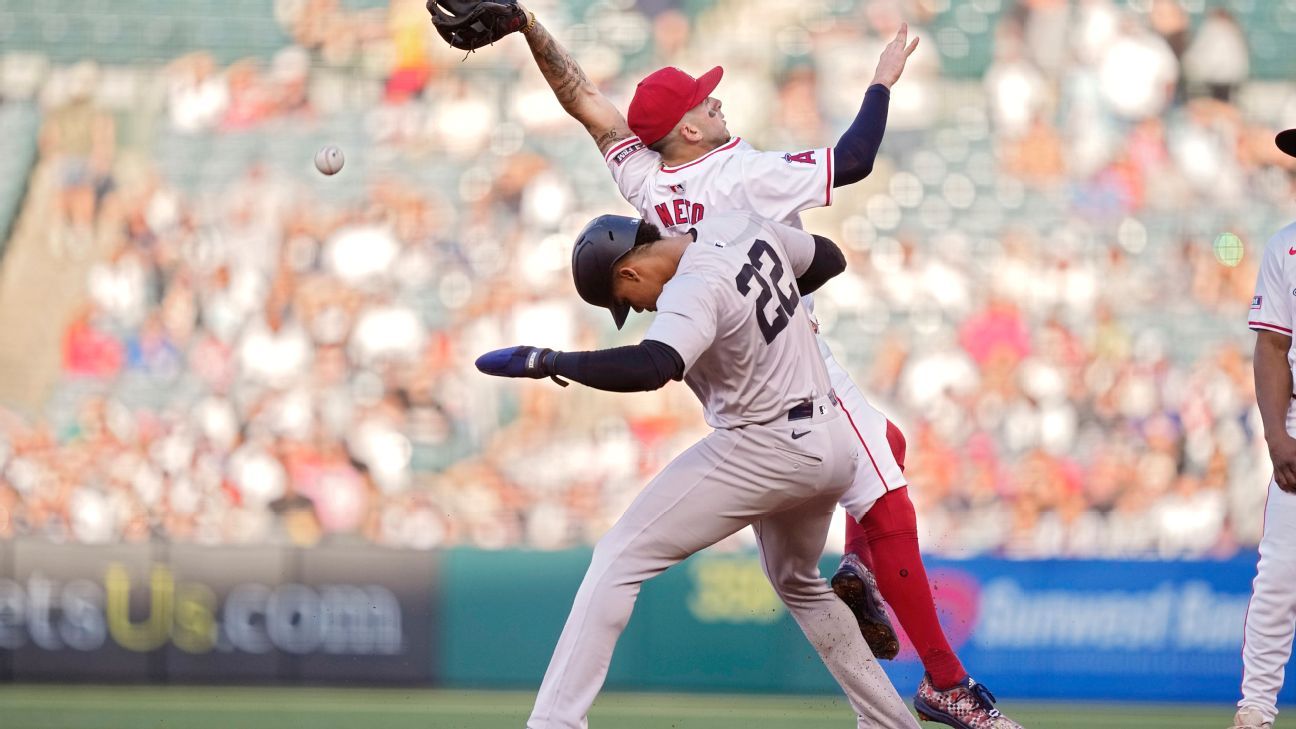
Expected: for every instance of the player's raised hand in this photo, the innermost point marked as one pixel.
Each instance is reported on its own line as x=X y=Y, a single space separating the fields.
x=892 y=62
x=1282 y=451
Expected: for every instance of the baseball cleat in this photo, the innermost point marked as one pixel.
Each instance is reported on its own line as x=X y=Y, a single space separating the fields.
x=857 y=587
x=1250 y=718
x=969 y=705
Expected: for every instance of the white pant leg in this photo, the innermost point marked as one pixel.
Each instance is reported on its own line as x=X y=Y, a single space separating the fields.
x=1271 y=615
x=791 y=543
x=722 y=483
x=878 y=471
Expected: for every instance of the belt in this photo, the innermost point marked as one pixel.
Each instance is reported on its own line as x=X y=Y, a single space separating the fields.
x=802 y=411
x=806 y=408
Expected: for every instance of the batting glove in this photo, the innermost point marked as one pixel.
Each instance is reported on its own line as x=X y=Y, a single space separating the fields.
x=520 y=361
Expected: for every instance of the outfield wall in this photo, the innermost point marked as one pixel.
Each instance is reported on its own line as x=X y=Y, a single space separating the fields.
x=185 y=614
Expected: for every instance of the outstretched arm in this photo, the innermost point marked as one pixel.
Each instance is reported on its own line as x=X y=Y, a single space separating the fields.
x=648 y=365
x=857 y=149
x=578 y=96
x=858 y=146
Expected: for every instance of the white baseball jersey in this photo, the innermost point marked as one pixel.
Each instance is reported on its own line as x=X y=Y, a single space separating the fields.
x=733 y=312
x=1275 y=291
x=773 y=185
x=733 y=176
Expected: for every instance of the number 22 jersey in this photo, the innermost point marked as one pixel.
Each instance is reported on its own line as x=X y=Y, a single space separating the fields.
x=733 y=313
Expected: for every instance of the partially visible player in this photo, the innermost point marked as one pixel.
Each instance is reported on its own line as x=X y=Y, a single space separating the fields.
x=676 y=162
x=1271 y=616
x=730 y=324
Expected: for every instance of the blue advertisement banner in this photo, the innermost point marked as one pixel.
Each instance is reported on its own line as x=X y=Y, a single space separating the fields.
x=1151 y=631
x=1095 y=630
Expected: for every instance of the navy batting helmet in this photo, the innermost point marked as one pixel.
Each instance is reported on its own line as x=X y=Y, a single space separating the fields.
x=599 y=246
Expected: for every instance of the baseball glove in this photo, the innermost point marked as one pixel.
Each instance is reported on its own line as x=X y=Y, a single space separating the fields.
x=471 y=24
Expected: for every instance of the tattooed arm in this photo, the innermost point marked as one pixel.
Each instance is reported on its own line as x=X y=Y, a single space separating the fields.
x=575 y=92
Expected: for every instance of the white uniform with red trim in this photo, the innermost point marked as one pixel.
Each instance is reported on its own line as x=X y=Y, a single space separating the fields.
x=777 y=186
x=1271 y=615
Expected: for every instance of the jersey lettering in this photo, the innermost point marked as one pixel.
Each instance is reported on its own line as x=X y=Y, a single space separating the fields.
x=680 y=212
x=805 y=158
x=769 y=287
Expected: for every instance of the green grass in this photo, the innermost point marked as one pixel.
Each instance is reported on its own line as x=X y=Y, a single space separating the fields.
x=101 y=707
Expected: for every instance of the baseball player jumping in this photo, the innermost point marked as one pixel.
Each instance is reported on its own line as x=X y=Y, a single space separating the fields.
x=730 y=324
x=1271 y=616
x=674 y=160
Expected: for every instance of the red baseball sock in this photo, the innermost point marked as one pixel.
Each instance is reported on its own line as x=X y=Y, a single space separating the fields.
x=892 y=529
x=857 y=543
x=856 y=536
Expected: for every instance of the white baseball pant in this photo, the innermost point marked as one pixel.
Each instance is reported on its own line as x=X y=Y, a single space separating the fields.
x=877 y=472
x=1271 y=615
x=786 y=488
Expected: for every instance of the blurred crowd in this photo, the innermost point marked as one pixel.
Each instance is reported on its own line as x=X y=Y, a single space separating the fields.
x=1032 y=296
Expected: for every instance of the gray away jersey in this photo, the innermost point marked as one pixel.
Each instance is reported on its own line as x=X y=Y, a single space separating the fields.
x=734 y=314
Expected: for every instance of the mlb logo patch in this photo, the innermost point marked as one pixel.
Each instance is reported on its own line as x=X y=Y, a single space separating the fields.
x=1256 y=301
x=677 y=189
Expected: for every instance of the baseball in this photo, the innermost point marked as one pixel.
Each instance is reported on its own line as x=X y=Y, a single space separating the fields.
x=329 y=160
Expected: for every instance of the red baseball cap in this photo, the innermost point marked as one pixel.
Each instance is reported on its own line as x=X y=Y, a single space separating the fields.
x=662 y=98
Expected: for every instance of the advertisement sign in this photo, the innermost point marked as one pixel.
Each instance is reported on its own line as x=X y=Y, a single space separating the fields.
x=1080 y=630
x=1155 y=631
x=1099 y=629
x=173 y=613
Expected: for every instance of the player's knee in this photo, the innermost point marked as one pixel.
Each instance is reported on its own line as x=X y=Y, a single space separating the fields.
x=608 y=563
x=790 y=584
x=804 y=596
x=626 y=564
x=607 y=596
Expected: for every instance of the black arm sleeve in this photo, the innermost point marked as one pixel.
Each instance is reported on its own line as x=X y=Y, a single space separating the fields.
x=648 y=365
x=828 y=261
x=858 y=146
